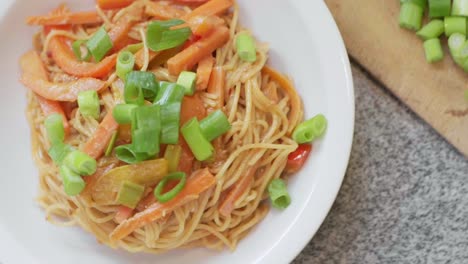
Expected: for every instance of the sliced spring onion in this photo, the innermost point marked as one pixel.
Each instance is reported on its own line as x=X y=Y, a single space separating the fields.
x=73 y=184
x=466 y=95
x=456 y=42
x=130 y=194
x=166 y=197
x=110 y=147
x=54 y=127
x=410 y=16
x=127 y=154
x=433 y=50
x=146 y=129
x=455 y=25
x=99 y=44
x=214 y=125
x=160 y=37
x=169 y=92
x=460 y=8
x=122 y=113
x=245 y=46
x=88 y=103
x=77 y=47
x=134 y=48
x=80 y=162
x=146 y=117
x=172 y=155
x=133 y=93
x=125 y=64
x=421 y=3
x=58 y=152
x=439 y=8
x=311 y=129
x=279 y=195
x=170 y=122
x=187 y=80
x=144 y=81
x=433 y=29
x=200 y=146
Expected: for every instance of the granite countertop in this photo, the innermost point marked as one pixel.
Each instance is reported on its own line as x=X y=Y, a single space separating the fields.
x=405 y=195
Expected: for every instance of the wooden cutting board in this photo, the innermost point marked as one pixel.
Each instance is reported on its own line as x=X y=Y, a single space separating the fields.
x=396 y=58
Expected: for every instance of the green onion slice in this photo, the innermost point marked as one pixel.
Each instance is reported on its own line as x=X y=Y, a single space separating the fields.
x=433 y=29
x=311 y=129
x=73 y=184
x=54 y=127
x=88 y=103
x=200 y=146
x=214 y=125
x=433 y=50
x=58 y=152
x=245 y=46
x=454 y=25
x=127 y=154
x=460 y=8
x=134 y=48
x=187 y=80
x=122 y=113
x=81 y=163
x=141 y=86
x=125 y=64
x=160 y=37
x=456 y=43
x=172 y=155
x=77 y=48
x=410 y=16
x=169 y=92
x=170 y=122
x=166 y=197
x=439 y=8
x=279 y=195
x=130 y=194
x=99 y=44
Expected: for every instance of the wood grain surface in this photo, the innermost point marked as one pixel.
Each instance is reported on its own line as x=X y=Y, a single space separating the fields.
x=396 y=58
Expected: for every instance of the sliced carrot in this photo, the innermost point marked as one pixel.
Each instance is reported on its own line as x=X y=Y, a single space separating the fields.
x=97 y=144
x=113 y=4
x=119 y=32
x=60 y=10
x=205 y=66
x=66 y=60
x=196 y=184
x=192 y=39
x=123 y=213
x=240 y=187
x=192 y=106
x=140 y=57
x=202 y=25
x=286 y=85
x=163 y=11
x=210 y=8
x=78 y=18
x=35 y=77
x=216 y=85
x=189 y=57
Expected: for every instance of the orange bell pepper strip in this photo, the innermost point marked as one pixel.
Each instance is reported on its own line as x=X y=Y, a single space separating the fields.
x=78 y=18
x=113 y=4
x=189 y=57
x=97 y=144
x=35 y=77
x=196 y=184
x=67 y=61
x=205 y=66
x=239 y=188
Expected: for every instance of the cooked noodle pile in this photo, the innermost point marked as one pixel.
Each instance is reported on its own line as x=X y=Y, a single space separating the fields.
x=262 y=115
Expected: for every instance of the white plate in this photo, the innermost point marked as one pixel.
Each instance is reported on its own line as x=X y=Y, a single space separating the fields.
x=305 y=43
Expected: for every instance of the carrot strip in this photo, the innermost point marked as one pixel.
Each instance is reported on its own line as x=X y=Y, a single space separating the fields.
x=205 y=66
x=216 y=85
x=78 y=18
x=123 y=213
x=35 y=77
x=189 y=57
x=162 y=11
x=192 y=106
x=295 y=113
x=202 y=25
x=60 y=10
x=97 y=144
x=197 y=183
x=119 y=32
x=240 y=187
x=67 y=61
x=210 y=8
x=113 y=4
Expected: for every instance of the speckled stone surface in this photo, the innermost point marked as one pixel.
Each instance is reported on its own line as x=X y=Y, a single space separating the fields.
x=405 y=195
